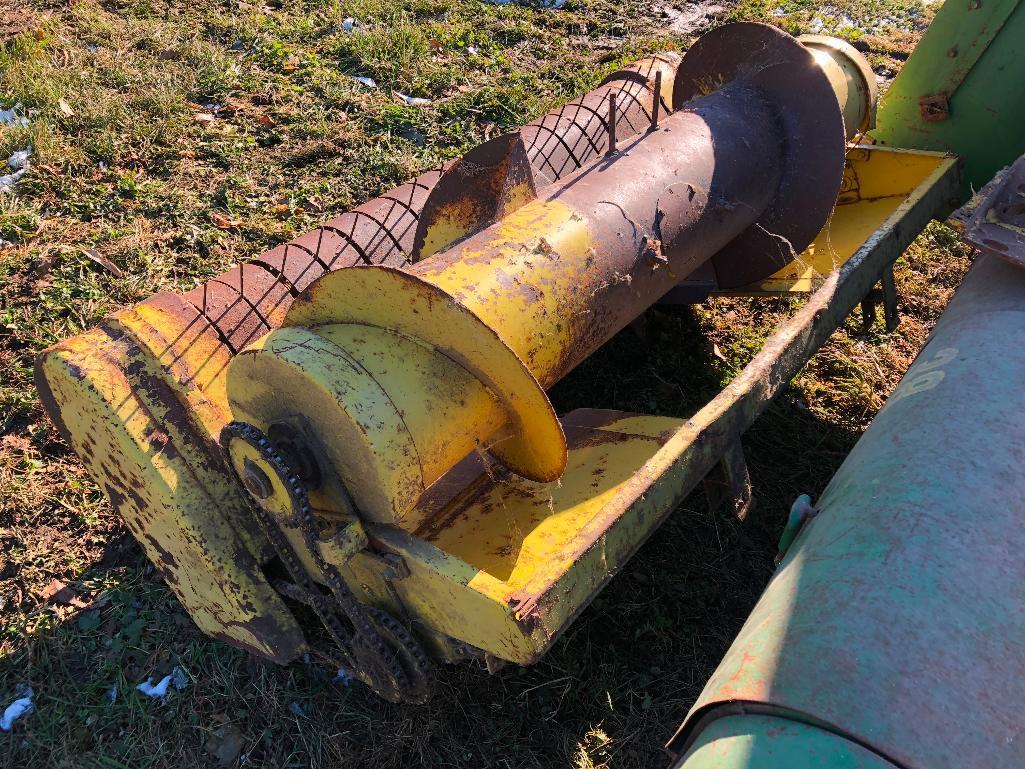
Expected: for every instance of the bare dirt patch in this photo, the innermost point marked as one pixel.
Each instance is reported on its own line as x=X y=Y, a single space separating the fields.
x=15 y=19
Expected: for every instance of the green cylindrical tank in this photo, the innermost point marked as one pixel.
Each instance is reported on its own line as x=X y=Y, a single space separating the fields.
x=896 y=620
x=774 y=742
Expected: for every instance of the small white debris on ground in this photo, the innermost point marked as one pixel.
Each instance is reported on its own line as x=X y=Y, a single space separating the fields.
x=180 y=679
x=18 y=162
x=367 y=81
x=177 y=677
x=11 y=116
x=20 y=707
x=348 y=24
x=412 y=101
x=19 y=159
x=155 y=690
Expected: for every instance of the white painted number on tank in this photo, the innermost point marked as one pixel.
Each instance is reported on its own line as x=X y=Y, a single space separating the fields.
x=925 y=376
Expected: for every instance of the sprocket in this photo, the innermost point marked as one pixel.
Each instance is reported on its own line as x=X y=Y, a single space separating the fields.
x=377 y=647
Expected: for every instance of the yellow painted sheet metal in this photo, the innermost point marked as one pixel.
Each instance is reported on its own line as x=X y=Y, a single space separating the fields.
x=453 y=598
x=876 y=181
x=514 y=529
x=524 y=558
x=388 y=298
x=528 y=294
x=380 y=407
x=144 y=453
x=503 y=567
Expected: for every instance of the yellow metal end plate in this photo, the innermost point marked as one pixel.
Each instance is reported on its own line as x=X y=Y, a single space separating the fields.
x=363 y=440
x=149 y=458
x=391 y=299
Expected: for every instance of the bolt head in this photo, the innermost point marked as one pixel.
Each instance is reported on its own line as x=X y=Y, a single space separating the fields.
x=256 y=481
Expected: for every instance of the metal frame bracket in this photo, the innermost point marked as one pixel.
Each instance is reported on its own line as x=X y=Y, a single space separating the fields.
x=729 y=482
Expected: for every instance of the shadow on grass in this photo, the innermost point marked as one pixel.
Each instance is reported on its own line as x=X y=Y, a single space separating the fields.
x=610 y=692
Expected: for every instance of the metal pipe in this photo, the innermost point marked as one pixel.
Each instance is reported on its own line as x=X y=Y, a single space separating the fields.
x=520 y=303
x=563 y=274
x=656 y=103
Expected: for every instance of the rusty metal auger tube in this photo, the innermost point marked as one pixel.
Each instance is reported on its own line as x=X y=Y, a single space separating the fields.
x=575 y=135
x=560 y=276
x=397 y=375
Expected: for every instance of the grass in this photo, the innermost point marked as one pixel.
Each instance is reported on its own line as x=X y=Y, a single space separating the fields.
x=129 y=192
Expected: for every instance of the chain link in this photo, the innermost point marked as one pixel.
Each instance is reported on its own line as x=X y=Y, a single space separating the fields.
x=399 y=673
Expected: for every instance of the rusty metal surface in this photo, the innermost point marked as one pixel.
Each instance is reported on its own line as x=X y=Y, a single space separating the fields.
x=521 y=303
x=934 y=107
x=177 y=348
x=994 y=220
x=369 y=642
x=386 y=230
x=141 y=401
x=244 y=303
x=655 y=213
x=474 y=191
x=576 y=135
x=540 y=551
x=895 y=617
x=152 y=463
x=810 y=119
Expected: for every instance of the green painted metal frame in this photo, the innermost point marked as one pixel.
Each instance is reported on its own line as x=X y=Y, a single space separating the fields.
x=753 y=740
x=960 y=90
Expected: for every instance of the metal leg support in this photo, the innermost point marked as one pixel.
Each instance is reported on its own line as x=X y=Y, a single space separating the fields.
x=888 y=295
x=729 y=482
x=890 y=313
x=869 y=304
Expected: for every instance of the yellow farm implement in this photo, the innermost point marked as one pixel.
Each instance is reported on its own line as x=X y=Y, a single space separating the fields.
x=376 y=442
